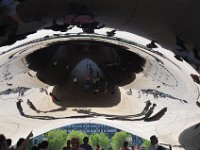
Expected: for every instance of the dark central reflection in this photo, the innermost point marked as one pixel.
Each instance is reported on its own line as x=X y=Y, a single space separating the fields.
x=82 y=69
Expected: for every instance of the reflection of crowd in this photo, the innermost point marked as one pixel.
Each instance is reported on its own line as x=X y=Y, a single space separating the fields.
x=20 y=90
x=156 y=94
x=191 y=56
x=183 y=52
x=97 y=85
x=93 y=82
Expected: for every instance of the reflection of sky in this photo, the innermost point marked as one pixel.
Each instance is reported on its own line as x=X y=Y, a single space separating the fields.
x=119 y=34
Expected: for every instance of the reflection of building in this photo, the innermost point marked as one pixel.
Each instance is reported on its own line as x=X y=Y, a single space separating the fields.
x=91 y=128
x=137 y=140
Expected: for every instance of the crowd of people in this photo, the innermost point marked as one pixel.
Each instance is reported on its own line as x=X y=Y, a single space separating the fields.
x=6 y=144
x=74 y=144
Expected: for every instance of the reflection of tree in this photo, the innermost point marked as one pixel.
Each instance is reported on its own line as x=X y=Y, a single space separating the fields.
x=146 y=143
x=102 y=139
x=57 y=139
x=94 y=139
x=118 y=139
x=76 y=134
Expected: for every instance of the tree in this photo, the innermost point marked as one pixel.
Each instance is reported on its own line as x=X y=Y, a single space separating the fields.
x=104 y=141
x=101 y=139
x=94 y=139
x=118 y=140
x=146 y=143
x=76 y=134
x=57 y=139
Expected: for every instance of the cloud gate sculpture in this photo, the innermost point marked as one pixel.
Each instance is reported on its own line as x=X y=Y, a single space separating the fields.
x=66 y=62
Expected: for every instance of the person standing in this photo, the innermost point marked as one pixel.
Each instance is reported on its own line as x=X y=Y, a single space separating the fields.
x=68 y=147
x=85 y=144
x=75 y=144
x=154 y=142
x=3 y=143
x=125 y=146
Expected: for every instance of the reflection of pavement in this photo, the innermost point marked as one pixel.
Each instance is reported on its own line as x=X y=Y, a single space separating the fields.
x=178 y=116
x=74 y=96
